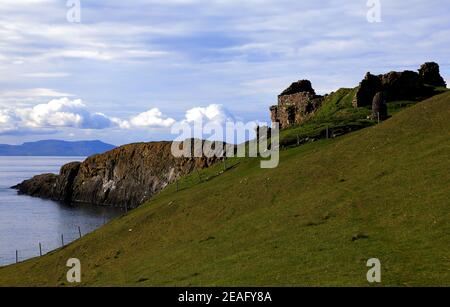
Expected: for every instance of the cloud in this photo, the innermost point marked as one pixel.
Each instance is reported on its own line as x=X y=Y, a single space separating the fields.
x=214 y=113
x=151 y=118
x=63 y=112
x=46 y=75
x=57 y=113
x=66 y=113
x=7 y=122
x=105 y=54
x=35 y=92
x=154 y=118
x=4 y=118
x=238 y=53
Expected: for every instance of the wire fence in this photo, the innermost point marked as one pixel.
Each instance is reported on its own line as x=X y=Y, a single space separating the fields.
x=43 y=247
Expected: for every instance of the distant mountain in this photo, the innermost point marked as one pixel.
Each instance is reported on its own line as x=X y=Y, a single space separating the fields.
x=55 y=148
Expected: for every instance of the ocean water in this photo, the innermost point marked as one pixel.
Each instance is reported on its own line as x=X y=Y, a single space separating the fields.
x=26 y=221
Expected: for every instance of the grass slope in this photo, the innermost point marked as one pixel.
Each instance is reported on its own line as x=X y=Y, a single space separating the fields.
x=314 y=221
x=336 y=114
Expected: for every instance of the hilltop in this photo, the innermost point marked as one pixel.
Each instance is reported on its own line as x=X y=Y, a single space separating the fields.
x=315 y=220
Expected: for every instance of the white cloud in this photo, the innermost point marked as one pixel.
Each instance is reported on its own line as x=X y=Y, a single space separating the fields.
x=151 y=118
x=6 y=122
x=46 y=75
x=4 y=118
x=215 y=113
x=35 y=92
x=67 y=113
x=63 y=112
x=57 y=113
x=154 y=118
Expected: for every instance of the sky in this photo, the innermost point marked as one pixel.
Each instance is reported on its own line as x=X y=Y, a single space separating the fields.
x=127 y=71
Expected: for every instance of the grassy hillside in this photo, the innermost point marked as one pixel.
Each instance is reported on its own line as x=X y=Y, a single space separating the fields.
x=336 y=114
x=335 y=103
x=315 y=220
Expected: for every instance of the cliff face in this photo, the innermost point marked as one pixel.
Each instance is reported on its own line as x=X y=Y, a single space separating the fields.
x=126 y=176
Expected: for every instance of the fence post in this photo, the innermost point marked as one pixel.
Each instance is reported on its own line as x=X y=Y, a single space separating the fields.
x=62 y=240
x=224 y=164
x=378 y=115
x=79 y=231
x=40 y=249
x=177 y=186
x=328 y=132
x=199 y=176
x=17 y=256
x=298 y=140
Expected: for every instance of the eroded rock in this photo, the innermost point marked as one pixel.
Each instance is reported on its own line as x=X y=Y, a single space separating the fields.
x=367 y=89
x=430 y=75
x=126 y=176
x=398 y=86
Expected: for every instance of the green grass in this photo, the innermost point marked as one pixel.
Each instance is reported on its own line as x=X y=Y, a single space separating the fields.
x=336 y=114
x=294 y=225
x=335 y=103
x=397 y=106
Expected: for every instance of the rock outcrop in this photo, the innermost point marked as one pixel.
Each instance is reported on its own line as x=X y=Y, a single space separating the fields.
x=296 y=104
x=126 y=176
x=368 y=87
x=429 y=74
x=41 y=185
x=406 y=85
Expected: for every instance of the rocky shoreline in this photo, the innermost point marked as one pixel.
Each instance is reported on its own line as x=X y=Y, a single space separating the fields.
x=123 y=177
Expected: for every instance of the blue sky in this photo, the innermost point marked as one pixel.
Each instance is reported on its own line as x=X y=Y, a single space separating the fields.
x=130 y=69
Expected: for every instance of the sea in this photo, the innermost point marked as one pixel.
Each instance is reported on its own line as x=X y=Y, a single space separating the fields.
x=28 y=225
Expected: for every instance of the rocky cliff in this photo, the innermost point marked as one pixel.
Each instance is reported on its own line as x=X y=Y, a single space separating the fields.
x=124 y=177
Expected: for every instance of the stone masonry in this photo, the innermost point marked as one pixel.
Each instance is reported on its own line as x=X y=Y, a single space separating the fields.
x=296 y=104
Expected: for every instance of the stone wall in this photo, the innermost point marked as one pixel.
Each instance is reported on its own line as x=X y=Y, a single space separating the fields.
x=295 y=105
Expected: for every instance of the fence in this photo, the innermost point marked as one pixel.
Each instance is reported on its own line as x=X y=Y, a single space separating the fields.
x=43 y=247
